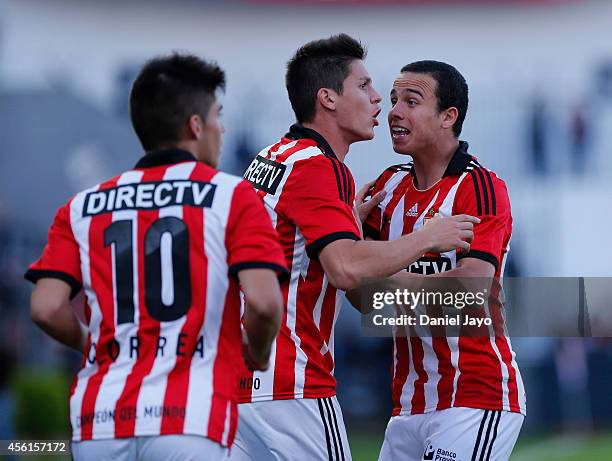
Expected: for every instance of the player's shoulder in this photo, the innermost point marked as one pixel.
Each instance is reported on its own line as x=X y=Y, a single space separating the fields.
x=484 y=175
x=290 y=151
x=400 y=169
x=483 y=189
x=393 y=176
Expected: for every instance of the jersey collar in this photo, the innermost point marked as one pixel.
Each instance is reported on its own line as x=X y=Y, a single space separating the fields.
x=460 y=160
x=298 y=131
x=164 y=157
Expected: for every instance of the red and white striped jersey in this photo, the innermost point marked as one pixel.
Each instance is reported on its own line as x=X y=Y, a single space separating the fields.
x=156 y=250
x=434 y=373
x=310 y=196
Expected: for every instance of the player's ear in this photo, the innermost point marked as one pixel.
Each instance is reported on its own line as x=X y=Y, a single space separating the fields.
x=449 y=117
x=195 y=126
x=327 y=98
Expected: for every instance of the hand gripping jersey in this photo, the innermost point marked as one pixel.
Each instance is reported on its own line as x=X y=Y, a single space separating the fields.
x=309 y=195
x=437 y=372
x=152 y=249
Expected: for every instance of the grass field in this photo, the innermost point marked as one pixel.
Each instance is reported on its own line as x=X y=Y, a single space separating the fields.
x=559 y=448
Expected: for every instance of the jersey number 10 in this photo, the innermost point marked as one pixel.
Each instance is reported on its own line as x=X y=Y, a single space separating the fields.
x=119 y=235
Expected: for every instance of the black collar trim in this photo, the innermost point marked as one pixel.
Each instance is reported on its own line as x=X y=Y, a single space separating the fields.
x=460 y=160
x=164 y=157
x=297 y=131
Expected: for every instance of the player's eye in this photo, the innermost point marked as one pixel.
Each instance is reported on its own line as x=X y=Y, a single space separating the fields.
x=393 y=101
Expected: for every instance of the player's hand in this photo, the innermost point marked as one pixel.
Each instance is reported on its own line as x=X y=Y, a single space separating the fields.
x=252 y=361
x=365 y=206
x=454 y=232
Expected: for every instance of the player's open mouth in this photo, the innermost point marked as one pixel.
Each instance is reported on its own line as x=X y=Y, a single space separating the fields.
x=398 y=132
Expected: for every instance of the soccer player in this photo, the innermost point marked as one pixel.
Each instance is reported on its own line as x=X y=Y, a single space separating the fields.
x=454 y=398
x=160 y=251
x=290 y=411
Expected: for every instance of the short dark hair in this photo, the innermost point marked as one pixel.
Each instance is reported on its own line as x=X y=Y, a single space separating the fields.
x=319 y=64
x=167 y=91
x=452 y=88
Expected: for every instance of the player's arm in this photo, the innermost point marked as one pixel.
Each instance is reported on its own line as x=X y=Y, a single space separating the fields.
x=470 y=275
x=50 y=309
x=347 y=263
x=327 y=221
x=57 y=278
x=262 y=314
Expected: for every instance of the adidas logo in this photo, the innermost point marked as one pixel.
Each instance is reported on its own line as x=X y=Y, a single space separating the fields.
x=414 y=211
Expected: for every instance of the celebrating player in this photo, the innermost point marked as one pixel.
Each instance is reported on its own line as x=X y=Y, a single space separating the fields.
x=454 y=398
x=290 y=411
x=160 y=251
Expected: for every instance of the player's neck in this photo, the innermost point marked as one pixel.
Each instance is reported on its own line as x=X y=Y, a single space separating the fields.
x=430 y=165
x=333 y=135
x=192 y=148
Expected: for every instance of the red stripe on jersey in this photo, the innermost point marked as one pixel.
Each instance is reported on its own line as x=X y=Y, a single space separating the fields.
x=319 y=363
x=178 y=379
x=502 y=343
x=505 y=352
x=396 y=196
x=418 y=399
x=100 y=270
x=399 y=373
x=446 y=371
x=284 y=366
x=148 y=328
x=299 y=145
x=233 y=425
x=228 y=349
x=273 y=149
x=478 y=364
x=328 y=311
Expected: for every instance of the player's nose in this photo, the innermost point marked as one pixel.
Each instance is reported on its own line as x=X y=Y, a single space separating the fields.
x=375 y=96
x=395 y=113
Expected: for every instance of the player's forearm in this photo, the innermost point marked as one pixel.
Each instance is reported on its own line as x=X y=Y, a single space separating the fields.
x=371 y=259
x=61 y=323
x=261 y=327
x=459 y=280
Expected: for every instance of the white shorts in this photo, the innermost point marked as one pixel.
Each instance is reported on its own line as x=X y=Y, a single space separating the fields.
x=156 y=448
x=454 y=434
x=288 y=430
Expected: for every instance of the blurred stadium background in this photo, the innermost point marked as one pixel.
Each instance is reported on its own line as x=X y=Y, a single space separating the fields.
x=540 y=76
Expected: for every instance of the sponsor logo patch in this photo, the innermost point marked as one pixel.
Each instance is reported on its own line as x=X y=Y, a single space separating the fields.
x=429 y=265
x=265 y=174
x=149 y=196
x=413 y=211
x=429 y=452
